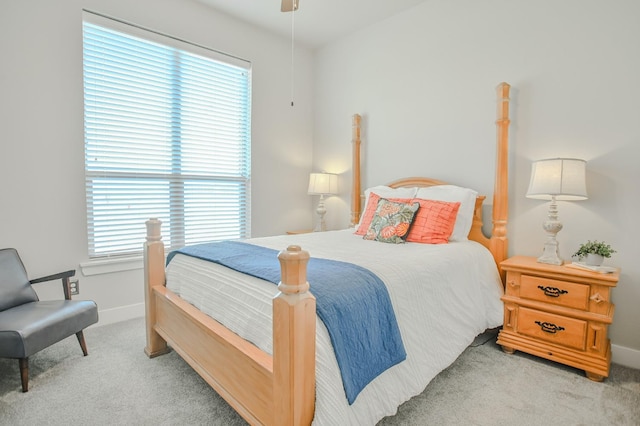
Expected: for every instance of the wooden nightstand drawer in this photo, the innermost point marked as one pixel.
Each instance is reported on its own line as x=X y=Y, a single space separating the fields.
x=558 y=313
x=563 y=293
x=552 y=328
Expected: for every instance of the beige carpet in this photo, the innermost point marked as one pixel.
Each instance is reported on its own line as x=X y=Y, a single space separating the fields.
x=118 y=385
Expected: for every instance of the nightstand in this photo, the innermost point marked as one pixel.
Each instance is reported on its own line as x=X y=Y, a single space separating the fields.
x=558 y=313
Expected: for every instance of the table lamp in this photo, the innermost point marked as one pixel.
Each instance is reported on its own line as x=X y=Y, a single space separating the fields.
x=556 y=179
x=322 y=184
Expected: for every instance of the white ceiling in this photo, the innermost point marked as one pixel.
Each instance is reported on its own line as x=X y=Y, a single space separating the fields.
x=316 y=22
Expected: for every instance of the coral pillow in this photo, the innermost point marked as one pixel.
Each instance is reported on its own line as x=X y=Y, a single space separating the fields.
x=451 y=193
x=377 y=192
x=434 y=222
x=369 y=212
x=391 y=221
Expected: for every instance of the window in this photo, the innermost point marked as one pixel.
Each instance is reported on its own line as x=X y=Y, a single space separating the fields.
x=167 y=135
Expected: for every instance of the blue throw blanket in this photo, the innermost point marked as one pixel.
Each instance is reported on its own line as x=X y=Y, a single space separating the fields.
x=352 y=302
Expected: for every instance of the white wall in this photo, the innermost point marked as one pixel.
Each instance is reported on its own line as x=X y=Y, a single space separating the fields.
x=424 y=82
x=42 y=199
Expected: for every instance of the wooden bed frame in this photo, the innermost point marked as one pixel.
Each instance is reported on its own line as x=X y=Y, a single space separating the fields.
x=279 y=389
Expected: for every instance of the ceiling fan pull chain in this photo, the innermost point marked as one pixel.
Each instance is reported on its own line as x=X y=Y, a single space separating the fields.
x=293 y=14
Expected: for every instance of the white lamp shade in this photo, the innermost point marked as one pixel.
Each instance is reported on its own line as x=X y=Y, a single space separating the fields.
x=323 y=184
x=563 y=178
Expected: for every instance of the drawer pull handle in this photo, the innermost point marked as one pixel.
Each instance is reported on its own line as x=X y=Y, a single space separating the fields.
x=549 y=327
x=552 y=291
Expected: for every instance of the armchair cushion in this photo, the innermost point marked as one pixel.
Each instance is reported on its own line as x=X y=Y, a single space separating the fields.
x=15 y=288
x=31 y=327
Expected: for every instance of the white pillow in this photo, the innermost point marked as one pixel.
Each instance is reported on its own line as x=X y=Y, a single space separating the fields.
x=386 y=192
x=466 y=197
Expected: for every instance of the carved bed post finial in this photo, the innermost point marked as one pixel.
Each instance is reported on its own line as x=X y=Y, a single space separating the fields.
x=293 y=270
x=153 y=276
x=153 y=229
x=500 y=193
x=355 y=190
x=294 y=342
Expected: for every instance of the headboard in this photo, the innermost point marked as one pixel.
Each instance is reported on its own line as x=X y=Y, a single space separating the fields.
x=497 y=242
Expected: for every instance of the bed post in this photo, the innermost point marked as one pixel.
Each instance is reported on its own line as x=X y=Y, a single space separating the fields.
x=294 y=342
x=499 y=243
x=355 y=189
x=153 y=276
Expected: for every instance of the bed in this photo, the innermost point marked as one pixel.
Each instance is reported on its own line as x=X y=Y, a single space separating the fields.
x=268 y=355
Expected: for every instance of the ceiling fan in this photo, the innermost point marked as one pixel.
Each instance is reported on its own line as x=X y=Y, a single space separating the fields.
x=289 y=5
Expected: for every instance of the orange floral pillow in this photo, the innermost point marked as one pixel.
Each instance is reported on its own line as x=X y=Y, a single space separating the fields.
x=391 y=221
x=434 y=222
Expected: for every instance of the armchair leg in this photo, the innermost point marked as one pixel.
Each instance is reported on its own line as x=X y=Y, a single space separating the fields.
x=83 y=345
x=24 y=373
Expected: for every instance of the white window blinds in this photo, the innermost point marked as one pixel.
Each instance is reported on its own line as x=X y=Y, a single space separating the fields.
x=167 y=135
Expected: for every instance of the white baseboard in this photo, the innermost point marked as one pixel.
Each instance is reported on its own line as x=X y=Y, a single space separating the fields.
x=625 y=356
x=121 y=313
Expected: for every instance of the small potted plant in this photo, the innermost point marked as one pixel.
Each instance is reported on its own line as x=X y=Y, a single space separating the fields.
x=594 y=252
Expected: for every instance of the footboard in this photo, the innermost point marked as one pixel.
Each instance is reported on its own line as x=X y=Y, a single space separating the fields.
x=276 y=389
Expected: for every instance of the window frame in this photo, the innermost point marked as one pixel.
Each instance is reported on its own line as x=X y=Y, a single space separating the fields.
x=244 y=180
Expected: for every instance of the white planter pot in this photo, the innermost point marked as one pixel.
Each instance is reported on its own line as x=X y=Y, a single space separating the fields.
x=594 y=259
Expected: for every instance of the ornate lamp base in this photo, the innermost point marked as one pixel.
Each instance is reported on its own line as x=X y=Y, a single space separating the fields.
x=550 y=253
x=321 y=210
x=551 y=226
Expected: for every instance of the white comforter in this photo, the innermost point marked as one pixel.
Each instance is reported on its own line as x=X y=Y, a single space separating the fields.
x=443 y=296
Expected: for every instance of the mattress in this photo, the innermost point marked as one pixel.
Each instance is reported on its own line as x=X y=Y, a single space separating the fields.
x=443 y=296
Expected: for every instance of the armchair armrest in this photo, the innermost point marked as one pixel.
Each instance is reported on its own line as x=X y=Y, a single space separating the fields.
x=64 y=276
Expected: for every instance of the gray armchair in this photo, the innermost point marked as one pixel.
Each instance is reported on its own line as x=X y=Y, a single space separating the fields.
x=28 y=325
